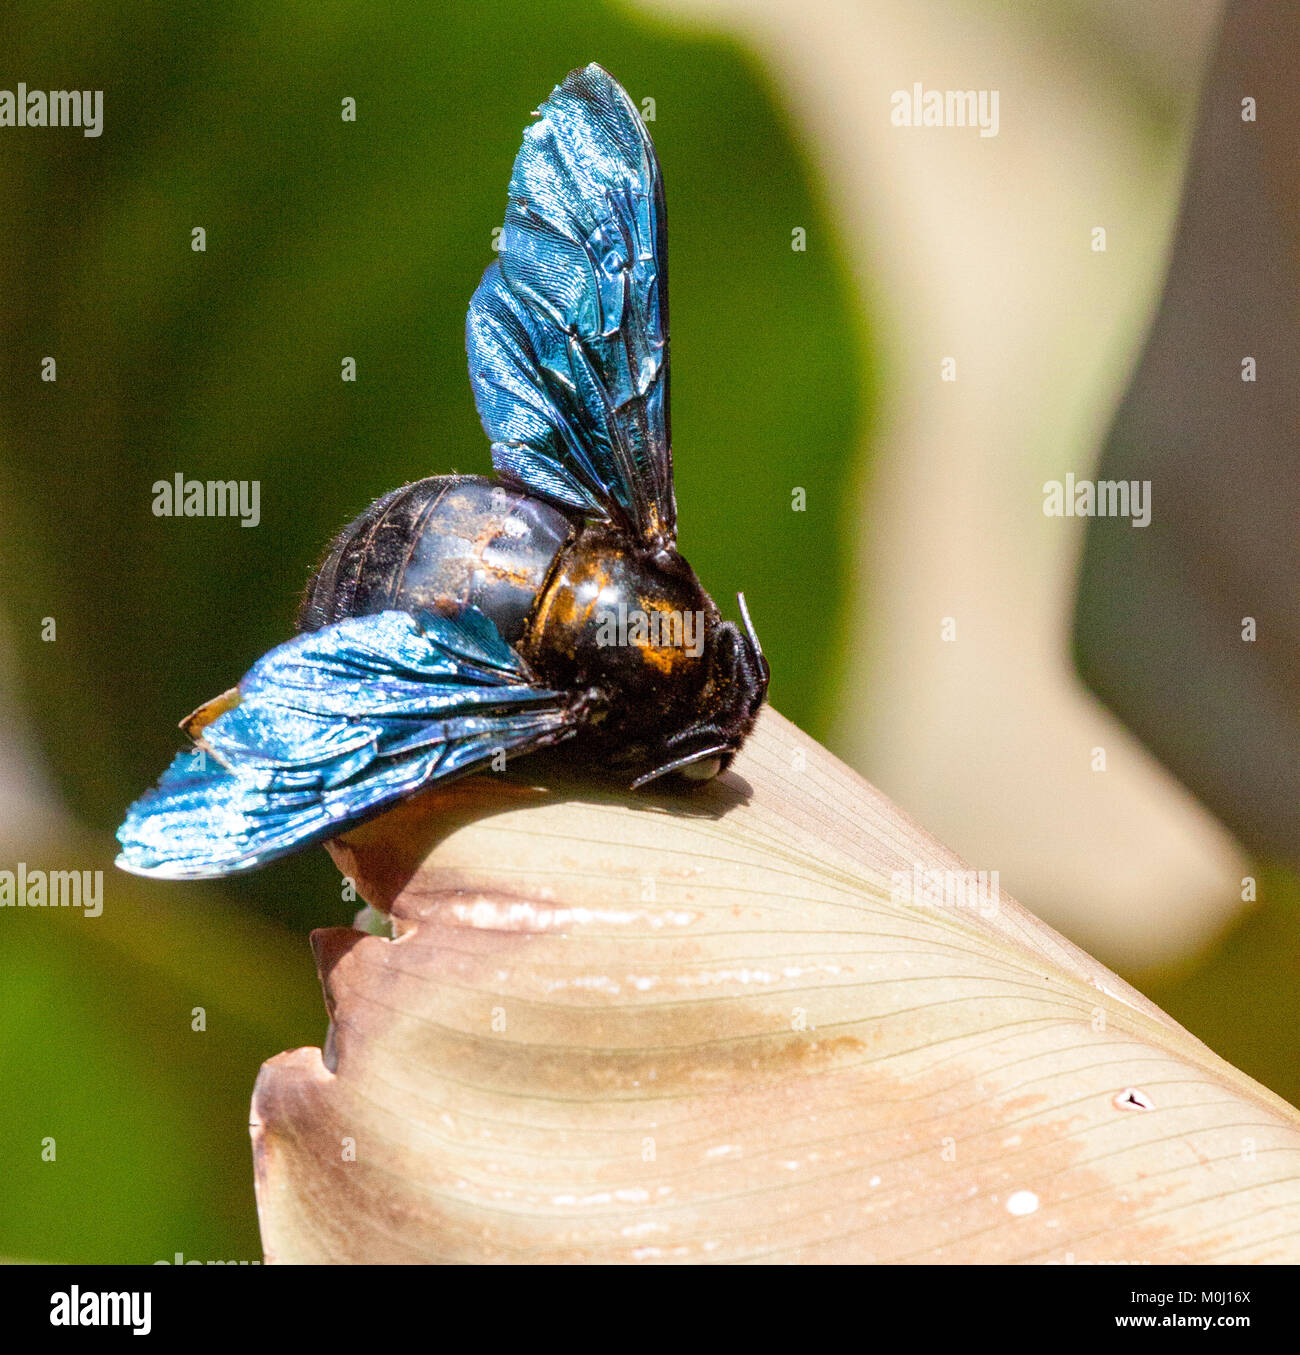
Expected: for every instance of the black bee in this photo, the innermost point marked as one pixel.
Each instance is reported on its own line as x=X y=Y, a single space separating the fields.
x=460 y=620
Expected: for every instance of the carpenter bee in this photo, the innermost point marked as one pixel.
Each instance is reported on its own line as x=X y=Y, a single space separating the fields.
x=460 y=621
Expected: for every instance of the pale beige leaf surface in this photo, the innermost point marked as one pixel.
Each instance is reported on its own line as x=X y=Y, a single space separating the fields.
x=614 y=1028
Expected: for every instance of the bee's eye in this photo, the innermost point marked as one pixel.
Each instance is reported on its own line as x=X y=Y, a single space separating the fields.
x=704 y=770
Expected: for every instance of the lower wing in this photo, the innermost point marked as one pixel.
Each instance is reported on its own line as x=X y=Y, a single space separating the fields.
x=329 y=729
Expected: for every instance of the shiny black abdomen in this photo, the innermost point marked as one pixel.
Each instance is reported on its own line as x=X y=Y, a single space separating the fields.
x=450 y=538
x=660 y=678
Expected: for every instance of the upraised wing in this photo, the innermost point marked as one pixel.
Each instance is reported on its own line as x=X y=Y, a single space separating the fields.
x=332 y=727
x=567 y=333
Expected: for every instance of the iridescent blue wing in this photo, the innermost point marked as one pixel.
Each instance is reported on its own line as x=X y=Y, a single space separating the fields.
x=568 y=332
x=329 y=729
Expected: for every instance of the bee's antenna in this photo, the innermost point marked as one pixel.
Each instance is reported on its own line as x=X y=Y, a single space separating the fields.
x=752 y=636
x=676 y=765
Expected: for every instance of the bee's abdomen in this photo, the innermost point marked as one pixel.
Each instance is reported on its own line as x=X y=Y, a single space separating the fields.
x=440 y=541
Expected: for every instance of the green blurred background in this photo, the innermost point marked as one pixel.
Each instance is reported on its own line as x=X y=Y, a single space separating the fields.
x=328 y=239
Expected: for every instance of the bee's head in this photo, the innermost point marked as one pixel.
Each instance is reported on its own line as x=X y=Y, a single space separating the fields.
x=734 y=689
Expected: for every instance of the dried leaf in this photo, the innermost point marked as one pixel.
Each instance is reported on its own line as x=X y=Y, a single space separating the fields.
x=615 y=1029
